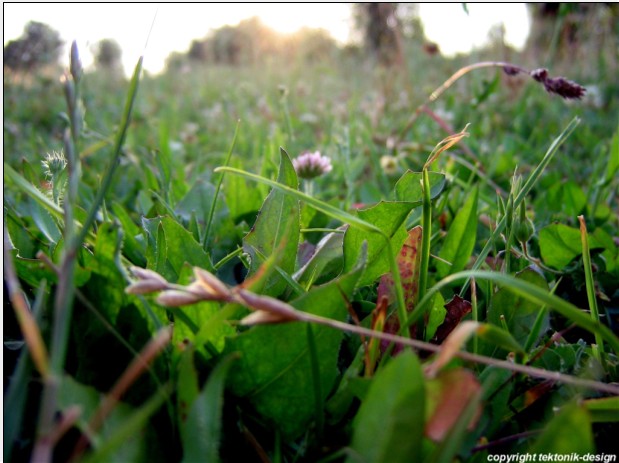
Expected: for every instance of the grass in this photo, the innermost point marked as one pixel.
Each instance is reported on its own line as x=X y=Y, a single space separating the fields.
x=193 y=170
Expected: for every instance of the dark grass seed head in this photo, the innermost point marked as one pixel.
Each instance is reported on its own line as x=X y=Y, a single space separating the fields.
x=559 y=85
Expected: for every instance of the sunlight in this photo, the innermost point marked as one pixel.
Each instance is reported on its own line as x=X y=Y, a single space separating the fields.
x=176 y=25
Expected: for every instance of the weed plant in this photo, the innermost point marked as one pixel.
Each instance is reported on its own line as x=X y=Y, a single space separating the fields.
x=180 y=288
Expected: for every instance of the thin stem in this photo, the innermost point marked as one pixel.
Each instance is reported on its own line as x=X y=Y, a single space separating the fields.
x=421 y=345
x=448 y=83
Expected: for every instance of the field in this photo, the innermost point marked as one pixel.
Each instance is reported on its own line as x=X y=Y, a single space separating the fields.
x=184 y=282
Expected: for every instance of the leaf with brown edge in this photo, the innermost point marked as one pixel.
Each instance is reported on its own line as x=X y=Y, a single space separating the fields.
x=447 y=396
x=457 y=309
x=408 y=264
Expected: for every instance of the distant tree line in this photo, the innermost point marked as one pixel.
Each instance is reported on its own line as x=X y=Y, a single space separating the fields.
x=252 y=42
x=38 y=46
x=385 y=33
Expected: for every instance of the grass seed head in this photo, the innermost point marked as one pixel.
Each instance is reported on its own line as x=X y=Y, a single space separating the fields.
x=559 y=85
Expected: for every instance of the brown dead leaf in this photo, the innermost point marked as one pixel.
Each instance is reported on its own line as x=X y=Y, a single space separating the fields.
x=457 y=309
x=448 y=396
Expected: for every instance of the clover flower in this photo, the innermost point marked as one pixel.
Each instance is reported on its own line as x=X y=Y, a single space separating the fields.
x=311 y=165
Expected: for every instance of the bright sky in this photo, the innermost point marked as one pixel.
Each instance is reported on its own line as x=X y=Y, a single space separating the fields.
x=176 y=25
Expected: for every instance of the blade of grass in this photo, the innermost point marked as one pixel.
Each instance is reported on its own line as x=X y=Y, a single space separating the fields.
x=590 y=284
x=526 y=291
x=527 y=187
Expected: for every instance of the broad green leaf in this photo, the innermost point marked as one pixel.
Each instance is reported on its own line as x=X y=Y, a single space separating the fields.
x=388 y=217
x=276 y=230
x=519 y=313
x=560 y=244
x=133 y=448
x=198 y=199
x=44 y=221
x=569 y=432
x=408 y=188
x=274 y=372
x=389 y=426
x=565 y=197
x=180 y=248
x=327 y=257
x=460 y=240
x=203 y=429
x=243 y=197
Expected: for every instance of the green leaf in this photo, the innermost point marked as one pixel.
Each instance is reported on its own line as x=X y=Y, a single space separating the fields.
x=604 y=410
x=388 y=217
x=43 y=220
x=390 y=423
x=274 y=372
x=565 y=197
x=408 y=188
x=132 y=248
x=460 y=240
x=179 y=248
x=132 y=448
x=276 y=230
x=613 y=158
x=135 y=425
x=560 y=244
x=203 y=429
x=568 y=432
x=519 y=312
x=498 y=337
x=327 y=258
x=242 y=197
x=187 y=389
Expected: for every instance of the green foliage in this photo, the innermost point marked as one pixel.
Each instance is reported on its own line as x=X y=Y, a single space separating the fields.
x=390 y=423
x=147 y=194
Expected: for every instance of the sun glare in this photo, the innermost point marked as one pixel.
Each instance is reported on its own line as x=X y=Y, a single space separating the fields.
x=176 y=25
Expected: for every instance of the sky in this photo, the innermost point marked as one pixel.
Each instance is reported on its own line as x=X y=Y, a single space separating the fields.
x=172 y=27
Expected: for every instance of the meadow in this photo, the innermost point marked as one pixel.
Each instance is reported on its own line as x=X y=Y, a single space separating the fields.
x=184 y=282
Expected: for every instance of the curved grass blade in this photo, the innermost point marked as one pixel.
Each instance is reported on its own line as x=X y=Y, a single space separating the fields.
x=526 y=291
x=531 y=181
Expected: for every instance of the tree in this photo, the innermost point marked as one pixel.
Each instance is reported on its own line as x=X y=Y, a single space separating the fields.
x=382 y=31
x=108 y=55
x=39 y=45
